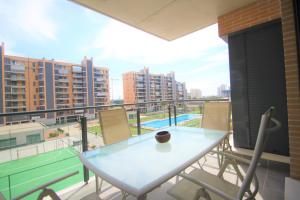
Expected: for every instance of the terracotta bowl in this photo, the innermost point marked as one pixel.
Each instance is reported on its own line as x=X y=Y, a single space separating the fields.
x=162 y=136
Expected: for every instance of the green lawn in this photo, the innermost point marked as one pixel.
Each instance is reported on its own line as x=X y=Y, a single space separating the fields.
x=192 y=123
x=27 y=173
x=196 y=111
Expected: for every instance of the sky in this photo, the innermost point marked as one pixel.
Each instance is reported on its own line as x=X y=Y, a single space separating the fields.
x=63 y=30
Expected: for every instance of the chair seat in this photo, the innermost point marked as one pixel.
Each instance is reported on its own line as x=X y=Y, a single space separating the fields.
x=186 y=190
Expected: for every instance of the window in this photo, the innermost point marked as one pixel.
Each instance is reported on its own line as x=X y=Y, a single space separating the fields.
x=32 y=139
x=7 y=143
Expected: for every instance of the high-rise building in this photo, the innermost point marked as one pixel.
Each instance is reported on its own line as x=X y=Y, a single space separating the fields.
x=195 y=93
x=30 y=84
x=140 y=87
x=224 y=91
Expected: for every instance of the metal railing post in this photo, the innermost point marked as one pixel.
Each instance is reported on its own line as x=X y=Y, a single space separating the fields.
x=84 y=145
x=138 y=120
x=175 y=118
x=9 y=187
x=169 y=108
x=201 y=108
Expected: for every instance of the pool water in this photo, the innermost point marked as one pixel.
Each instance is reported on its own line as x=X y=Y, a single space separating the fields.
x=160 y=123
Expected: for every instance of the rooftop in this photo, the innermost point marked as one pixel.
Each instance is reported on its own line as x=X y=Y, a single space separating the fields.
x=20 y=128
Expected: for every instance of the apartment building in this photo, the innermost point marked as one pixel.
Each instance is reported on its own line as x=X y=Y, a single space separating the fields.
x=195 y=93
x=140 y=87
x=223 y=91
x=30 y=84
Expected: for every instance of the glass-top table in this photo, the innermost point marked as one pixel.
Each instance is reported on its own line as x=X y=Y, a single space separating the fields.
x=140 y=164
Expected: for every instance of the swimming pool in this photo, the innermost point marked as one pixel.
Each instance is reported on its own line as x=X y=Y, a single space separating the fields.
x=165 y=122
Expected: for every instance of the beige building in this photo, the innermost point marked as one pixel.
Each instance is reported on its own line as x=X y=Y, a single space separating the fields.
x=21 y=134
x=30 y=84
x=141 y=87
x=195 y=93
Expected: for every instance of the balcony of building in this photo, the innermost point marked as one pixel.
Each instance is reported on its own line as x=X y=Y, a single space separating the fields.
x=52 y=150
x=100 y=79
x=78 y=97
x=98 y=85
x=14 y=68
x=79 y=91
x=62 y=101
x=78 y=80
x=15 y=91
x=78 y=104
x=103 y=93
x=55 y=148
x=62 y=86
x=98 y=73
x=61 y=80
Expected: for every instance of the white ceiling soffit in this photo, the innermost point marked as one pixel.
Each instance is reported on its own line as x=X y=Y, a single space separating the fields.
x=167 y=19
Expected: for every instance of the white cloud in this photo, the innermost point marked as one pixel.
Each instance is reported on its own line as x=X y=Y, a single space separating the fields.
x=27 y=17
x=210 y=62
x=197 y=77
x=120 y=41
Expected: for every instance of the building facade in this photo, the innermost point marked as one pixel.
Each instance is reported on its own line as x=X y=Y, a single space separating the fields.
x=141 y=87
x=21 y=134
x=277 y=19
x=223 y=91
x=30 y=84
x=195 y=93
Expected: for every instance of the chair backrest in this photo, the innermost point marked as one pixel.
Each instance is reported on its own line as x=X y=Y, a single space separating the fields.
x=114 y=125
x=216 y=115
x=262 y=136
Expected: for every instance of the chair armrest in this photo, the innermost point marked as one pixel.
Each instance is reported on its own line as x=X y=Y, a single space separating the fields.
x=207 y=186
x=243 y=160
x=276 y=127
x=45 y=185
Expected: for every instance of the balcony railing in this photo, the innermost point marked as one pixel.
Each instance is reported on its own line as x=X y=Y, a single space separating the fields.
x=61 y=134
x=62 y=80
x=79 y=76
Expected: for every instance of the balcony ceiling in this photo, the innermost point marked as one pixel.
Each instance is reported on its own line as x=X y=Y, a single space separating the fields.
x=167 y=19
